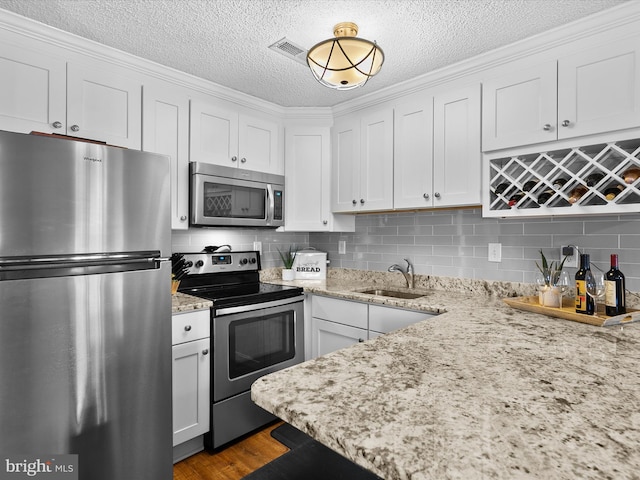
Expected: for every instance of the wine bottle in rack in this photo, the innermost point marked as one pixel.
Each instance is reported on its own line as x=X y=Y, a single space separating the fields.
x=631 y=175
x=501 y=188
x=577 y=193
x=614 y=293
x=559 y=183
x=584 y=302
x=530 y=185
x=515 y=198
x=612 y=192
x=545 y=196
x=593 y=179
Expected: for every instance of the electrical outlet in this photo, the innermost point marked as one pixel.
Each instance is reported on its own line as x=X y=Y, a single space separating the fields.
x=257 y=246
x=571 y=253
x=495 y=252
x=342 y=247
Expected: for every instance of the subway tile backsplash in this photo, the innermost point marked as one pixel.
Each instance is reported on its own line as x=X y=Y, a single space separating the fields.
x=452 y=243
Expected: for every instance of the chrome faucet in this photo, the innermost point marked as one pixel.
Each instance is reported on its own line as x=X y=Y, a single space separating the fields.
x=408 y=275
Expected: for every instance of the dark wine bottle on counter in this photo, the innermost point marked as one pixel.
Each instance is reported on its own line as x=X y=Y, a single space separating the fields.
x=631 y=175
x=584 y=302
x=515 y=198
x=612 y=192
x=530 y=185
x=594 y=178
x=577 y=193
x=614 y=290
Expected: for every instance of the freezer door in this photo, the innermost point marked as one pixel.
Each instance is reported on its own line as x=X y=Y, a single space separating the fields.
x=61 y=196
x=85 y=368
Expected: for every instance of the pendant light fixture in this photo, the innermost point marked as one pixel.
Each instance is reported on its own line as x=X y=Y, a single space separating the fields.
x=345 y=62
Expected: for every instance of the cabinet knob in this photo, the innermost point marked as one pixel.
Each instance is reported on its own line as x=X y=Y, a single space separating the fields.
x=243 y=160
x=234 y=159
x=437 y=194
x=546 y=127
x=362 y=201
x=566 y=123
x=354 y=201
x=75 y=128
x=56 y=125
x=324 y=222
x=183 y=218
x=187 y=328
x=426 y=196
x=205 y=351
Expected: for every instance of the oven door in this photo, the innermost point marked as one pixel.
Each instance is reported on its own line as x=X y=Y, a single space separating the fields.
x=253 y=340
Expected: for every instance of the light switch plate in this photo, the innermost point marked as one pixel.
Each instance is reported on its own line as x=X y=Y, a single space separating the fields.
x=495 y=252
x=342 y=247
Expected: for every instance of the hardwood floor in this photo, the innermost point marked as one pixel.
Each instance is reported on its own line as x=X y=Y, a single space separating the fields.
x=233 y=462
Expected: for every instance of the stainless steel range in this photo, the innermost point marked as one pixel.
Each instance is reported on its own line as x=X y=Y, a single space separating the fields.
x=257 y=328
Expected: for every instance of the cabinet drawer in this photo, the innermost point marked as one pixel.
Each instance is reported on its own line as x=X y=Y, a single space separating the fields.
x=385 y=319
x=345 y=312
x=186 y=327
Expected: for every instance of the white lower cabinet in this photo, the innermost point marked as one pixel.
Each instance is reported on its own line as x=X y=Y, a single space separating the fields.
x=191 y=380
x=337 y=323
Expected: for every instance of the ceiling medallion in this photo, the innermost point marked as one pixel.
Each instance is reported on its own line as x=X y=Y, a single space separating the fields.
x=345 y=62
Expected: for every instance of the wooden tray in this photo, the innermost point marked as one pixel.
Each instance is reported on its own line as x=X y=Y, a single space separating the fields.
x=568 y=312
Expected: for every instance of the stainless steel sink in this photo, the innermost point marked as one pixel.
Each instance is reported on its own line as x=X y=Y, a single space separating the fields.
x=394 y=293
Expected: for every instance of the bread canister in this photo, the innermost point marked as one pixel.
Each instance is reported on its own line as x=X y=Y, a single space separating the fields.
x=310 y=264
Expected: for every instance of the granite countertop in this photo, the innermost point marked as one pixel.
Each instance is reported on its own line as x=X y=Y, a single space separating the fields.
x=181 y=302
x=480 y=391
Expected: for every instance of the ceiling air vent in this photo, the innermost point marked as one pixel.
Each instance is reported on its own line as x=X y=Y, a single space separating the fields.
x=290 y=50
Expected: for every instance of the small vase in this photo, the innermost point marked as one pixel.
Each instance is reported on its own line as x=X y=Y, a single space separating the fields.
x=288 y=274
x=550 y=296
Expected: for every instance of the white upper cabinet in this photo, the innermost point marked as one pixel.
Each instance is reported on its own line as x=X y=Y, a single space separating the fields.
x=362 y=162
x=41 y=92
x=413 y=152
x=223 y=136
x=437 y=160
x=308 y=182
x=590 y=92
x=104 y=105
x=32 y=91
x=165 y=115
x=457 y=159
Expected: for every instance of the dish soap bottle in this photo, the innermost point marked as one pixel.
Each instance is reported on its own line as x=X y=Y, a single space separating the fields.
x=614 y=296
x=585 y=303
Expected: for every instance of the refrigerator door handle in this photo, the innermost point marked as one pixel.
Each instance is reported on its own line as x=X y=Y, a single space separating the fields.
x=13 y=268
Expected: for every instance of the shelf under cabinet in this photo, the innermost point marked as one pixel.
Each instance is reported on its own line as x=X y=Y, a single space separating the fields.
x=521 y=179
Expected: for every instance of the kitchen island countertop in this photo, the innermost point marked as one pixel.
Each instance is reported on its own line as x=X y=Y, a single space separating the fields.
x=480 y=391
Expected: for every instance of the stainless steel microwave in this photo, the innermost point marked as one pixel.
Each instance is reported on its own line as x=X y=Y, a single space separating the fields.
x=234 y=197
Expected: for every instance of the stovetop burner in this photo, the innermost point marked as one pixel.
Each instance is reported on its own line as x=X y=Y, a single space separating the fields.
x=230 y=279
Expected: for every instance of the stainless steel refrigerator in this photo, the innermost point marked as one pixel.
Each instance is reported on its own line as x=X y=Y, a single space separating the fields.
x=85 y=306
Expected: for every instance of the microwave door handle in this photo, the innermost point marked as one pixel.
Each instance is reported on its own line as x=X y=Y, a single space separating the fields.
x=272 y=204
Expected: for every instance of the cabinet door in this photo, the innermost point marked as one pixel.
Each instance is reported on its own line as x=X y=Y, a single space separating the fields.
x=258 y=143
x=345 y=165
x=307 y=167
x=104 y=105
x=165 y=115
x=328 y=337
x=413 y=153
x=214 y=134
x=520 y=108
x=599 y=89
x=32 y=91
x=376 y=161
x=457 y=161
x=191 y=367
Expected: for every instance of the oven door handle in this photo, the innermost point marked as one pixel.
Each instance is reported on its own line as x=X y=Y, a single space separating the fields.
x=258 y=306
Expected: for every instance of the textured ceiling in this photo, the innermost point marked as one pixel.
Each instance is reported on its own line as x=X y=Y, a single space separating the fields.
x=226 y=41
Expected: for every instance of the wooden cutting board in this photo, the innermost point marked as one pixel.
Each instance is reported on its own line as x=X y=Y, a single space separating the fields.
x=568 y=312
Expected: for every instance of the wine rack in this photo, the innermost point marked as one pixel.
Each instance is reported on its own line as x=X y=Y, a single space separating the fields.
x=599 y=178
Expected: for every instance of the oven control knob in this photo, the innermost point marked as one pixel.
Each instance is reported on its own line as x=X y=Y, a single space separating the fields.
x=253 y=261
x=188 y=264
x=244 y=261
x=199 y=264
